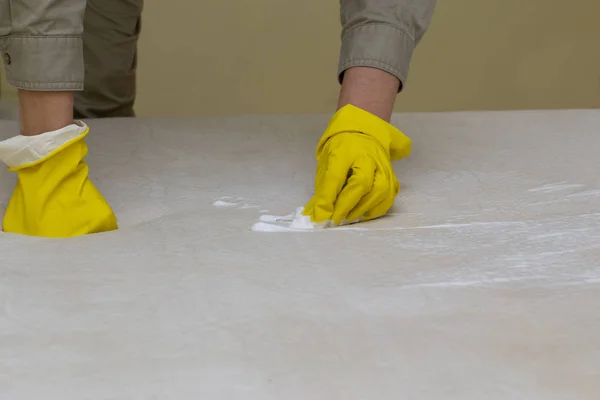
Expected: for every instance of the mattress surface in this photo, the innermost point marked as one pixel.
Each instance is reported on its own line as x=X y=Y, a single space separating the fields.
x=483 y=282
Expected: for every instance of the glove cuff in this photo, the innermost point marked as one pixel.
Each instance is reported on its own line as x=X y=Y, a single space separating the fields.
x=21 y=152
x=353 y=119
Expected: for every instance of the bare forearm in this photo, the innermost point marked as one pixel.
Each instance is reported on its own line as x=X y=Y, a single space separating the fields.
x=371 y=89
x=378 y=40
x=44 y=111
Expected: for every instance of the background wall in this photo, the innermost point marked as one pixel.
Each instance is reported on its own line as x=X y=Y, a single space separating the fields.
x=478 y=54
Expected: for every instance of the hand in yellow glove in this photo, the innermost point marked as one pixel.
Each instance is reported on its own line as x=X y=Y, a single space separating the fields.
x=53 y=196
x=355 y=180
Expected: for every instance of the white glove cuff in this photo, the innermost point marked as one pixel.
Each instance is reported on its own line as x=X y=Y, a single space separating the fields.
x=20 y=151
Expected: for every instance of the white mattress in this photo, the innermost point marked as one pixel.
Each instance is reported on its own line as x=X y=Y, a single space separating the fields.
x=483 y=283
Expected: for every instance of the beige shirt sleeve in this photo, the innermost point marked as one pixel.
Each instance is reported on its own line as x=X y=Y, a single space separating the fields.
x=41 y=42
x=382 y=33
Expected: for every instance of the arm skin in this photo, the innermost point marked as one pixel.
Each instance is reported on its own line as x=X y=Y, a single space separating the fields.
x=378 y=40
x=371 y=89
x=44 y=111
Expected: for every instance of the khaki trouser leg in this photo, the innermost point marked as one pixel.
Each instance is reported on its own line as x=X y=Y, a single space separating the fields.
x=41 y=43
x=111 y=31
x=5 y=28
x=5 y=22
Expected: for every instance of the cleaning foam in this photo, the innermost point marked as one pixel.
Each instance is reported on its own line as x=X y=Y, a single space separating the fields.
x=221 y=203
x=295 y=222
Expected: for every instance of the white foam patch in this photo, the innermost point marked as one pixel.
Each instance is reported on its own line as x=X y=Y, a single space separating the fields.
x=276 y=218
x=296 y=222
x=247 y=206
x=266 y=227
x=221 y=203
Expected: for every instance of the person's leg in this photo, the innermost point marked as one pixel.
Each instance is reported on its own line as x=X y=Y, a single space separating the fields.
x=5 y=27
x=111 y=31
x=5 y=22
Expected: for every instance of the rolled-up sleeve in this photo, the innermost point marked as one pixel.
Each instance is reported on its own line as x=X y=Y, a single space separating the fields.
x=43 y=48
x=382 y=33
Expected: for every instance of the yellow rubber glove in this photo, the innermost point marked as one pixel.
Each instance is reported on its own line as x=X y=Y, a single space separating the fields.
x=355 y=180
x=53 y=196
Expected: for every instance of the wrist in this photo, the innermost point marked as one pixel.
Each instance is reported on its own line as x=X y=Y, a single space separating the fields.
x=42 y=111
x=370 y=89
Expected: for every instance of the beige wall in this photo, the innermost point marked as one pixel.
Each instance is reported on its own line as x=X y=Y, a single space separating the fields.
x=197 y=57
x=507 y=54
